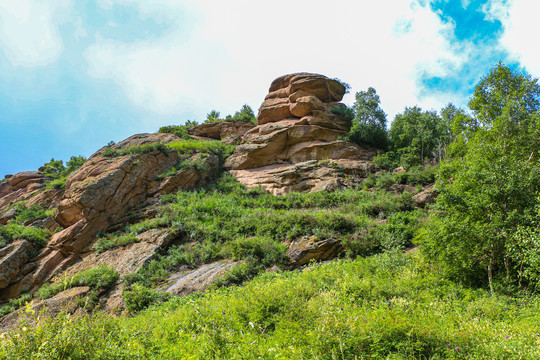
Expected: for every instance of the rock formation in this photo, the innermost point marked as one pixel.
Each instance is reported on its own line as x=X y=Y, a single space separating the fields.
x=103 y=193
x=227 y=131
x=300 y=120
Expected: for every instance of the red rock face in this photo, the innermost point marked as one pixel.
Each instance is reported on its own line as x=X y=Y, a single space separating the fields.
x=299 y=121
x=101 y=194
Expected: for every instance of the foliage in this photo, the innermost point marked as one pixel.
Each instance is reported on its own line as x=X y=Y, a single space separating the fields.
x=369 y=123
x=139 y=297
x=245 y=114
x=14 y=231
x=382 y=307
x=178 y=130
x=114 y=240
x=225 y=220
x=524 y=247
x=415 y=134
x=344 y=112
x=135 y=150
x=212 y=116
x=98 y=278
x=191 y=146
x=24 y=214
x=487 y=195
x=58 y=173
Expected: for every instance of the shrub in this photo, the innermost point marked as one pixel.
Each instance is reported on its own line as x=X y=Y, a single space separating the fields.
x=178 y=130
x=13 y=231
x=24 y=214
x=139 y=297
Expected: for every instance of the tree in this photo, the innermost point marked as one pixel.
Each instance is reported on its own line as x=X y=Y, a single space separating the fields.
x=489 y=193
x=245 y=114
x=369 y=123
x=212 y=116
x=414 y=134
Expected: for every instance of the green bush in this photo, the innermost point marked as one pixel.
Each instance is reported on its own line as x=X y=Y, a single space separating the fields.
x=24 y=214
x=13 y=231
x=139 y=297
x=178 y=130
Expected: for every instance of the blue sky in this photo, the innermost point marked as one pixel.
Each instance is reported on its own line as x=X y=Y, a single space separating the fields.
x=75 y=75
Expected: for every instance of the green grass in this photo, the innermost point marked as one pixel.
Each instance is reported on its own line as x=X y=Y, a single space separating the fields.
x=112 y=241
x=97 y=278
x=134 y=150
x=381 y=307
x=225 y=220
x=202 y=146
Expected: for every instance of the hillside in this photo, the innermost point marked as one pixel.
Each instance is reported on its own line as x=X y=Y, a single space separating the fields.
x=219 y=229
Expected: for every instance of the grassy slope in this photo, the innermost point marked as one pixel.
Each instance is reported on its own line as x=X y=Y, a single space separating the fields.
x=384 y=306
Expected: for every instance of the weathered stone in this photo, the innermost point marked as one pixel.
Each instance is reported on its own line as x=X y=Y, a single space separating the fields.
x=126 y=259
x=426 y=196
x=25 y=178
x=311 y=248
x=305 y=105
x=273 y=110
x=219 y=130
x=12 y=258
x=100 y=195
x=299 y=121
x=329 y=175
x=188 y=281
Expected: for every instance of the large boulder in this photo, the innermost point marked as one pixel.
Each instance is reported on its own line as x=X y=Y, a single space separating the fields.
x=310 y=248
x=299 y=121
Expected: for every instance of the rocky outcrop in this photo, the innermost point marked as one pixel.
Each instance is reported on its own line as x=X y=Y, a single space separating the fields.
x=329 y=175
x=13 y=262
x=300 y=120
x=127 y=259
x=221 y=130
x=104 y=193
x=21 y=187
x=188 y=281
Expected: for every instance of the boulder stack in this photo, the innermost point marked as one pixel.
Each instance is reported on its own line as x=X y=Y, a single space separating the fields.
x=299 y=121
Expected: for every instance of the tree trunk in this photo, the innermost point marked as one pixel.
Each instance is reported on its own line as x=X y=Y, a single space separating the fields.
x=490 y=274
x=507 y=266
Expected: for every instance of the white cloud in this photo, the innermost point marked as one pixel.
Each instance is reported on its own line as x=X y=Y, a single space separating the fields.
x=238 y=47
x=520 y=23
x=29 y=31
